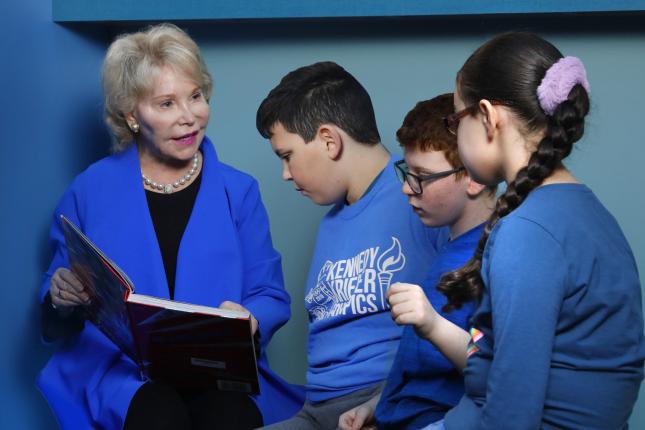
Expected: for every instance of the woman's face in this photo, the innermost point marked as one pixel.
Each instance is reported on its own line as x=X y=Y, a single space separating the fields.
x=172 y=118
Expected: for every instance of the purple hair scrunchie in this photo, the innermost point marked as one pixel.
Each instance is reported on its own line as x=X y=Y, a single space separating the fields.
x=556 y=85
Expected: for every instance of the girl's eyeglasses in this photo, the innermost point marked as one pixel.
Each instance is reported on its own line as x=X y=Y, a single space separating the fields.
x=451 y=122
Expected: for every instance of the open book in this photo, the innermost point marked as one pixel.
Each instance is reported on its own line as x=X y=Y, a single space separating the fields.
x=183 y=344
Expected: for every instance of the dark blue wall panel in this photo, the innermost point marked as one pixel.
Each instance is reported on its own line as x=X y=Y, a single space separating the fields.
x=159 y=10
x=51 y=129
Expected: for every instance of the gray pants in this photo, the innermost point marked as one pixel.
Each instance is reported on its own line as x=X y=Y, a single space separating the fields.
x=324 y=415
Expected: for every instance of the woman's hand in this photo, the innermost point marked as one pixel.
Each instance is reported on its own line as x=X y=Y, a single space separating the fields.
x=410 y=306
x=66 y=290
x=361 y=417
x=232 y=306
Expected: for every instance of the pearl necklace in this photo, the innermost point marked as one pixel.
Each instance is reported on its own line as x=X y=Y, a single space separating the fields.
x=170 y=188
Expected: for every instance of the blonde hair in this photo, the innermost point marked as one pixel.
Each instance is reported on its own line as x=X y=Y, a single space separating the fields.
x=131 y=64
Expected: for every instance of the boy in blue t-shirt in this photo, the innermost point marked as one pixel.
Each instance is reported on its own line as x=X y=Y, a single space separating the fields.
x=422 y=384
x=321 y=124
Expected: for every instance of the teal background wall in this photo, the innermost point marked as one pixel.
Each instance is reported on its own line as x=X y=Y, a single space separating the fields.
x=51 y=122
x=398 y=70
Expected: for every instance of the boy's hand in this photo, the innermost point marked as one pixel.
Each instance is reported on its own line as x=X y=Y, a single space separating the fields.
x=410 y=306
x=359 y=418
x=232 y=306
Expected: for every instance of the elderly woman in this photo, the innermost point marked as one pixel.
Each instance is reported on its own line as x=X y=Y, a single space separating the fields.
x=183 y=226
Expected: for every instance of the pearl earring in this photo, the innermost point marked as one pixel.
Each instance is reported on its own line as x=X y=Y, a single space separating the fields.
x=134 y=127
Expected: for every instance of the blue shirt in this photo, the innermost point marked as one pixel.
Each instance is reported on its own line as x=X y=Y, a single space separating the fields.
x=423 y=385
x=558 y=338
x=360 y=250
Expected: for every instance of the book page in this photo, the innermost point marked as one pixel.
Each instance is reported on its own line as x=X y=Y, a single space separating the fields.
x=186 y=307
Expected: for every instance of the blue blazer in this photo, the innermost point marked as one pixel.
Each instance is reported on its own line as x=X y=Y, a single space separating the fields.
x=225 y=253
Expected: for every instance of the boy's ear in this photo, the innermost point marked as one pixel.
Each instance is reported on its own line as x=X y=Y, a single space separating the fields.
x=474 y=188
x=329 y=136
x=490 y=117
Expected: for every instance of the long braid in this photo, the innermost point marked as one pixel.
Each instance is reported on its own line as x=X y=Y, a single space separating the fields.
x=564 y=128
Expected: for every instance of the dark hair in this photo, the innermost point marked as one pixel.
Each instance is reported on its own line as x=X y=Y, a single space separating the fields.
x=316 y=94
x=509 y=68
x=423 y=129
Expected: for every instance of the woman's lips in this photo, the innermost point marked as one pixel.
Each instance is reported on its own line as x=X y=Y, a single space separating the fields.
x=188 y=139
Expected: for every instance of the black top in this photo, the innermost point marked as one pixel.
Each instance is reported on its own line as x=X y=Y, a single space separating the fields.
x=170 y=214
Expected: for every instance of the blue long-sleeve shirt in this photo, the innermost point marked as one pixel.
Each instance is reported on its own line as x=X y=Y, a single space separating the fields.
x=558 y=338
x=423 y=385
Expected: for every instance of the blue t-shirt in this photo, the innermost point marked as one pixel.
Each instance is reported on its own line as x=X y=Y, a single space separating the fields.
x=557 y=341
x=360 y=250
x=423 y=385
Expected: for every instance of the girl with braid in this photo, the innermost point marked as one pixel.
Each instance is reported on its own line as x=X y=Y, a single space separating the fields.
x=557 y=339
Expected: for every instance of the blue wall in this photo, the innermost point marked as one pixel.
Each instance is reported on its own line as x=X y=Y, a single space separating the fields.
x=51 y=128
x=51 y=117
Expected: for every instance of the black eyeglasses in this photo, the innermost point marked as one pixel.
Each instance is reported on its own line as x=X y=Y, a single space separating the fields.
x=416 y=181
x=451 y=122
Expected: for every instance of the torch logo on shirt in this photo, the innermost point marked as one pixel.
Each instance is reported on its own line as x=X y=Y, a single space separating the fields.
x=389 y=262
x=355 y=285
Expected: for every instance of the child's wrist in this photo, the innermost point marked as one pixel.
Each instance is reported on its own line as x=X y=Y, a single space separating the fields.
x=429 y=327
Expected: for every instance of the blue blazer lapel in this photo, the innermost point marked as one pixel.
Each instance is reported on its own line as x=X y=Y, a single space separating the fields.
x=129 y=222
x=209 y=263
